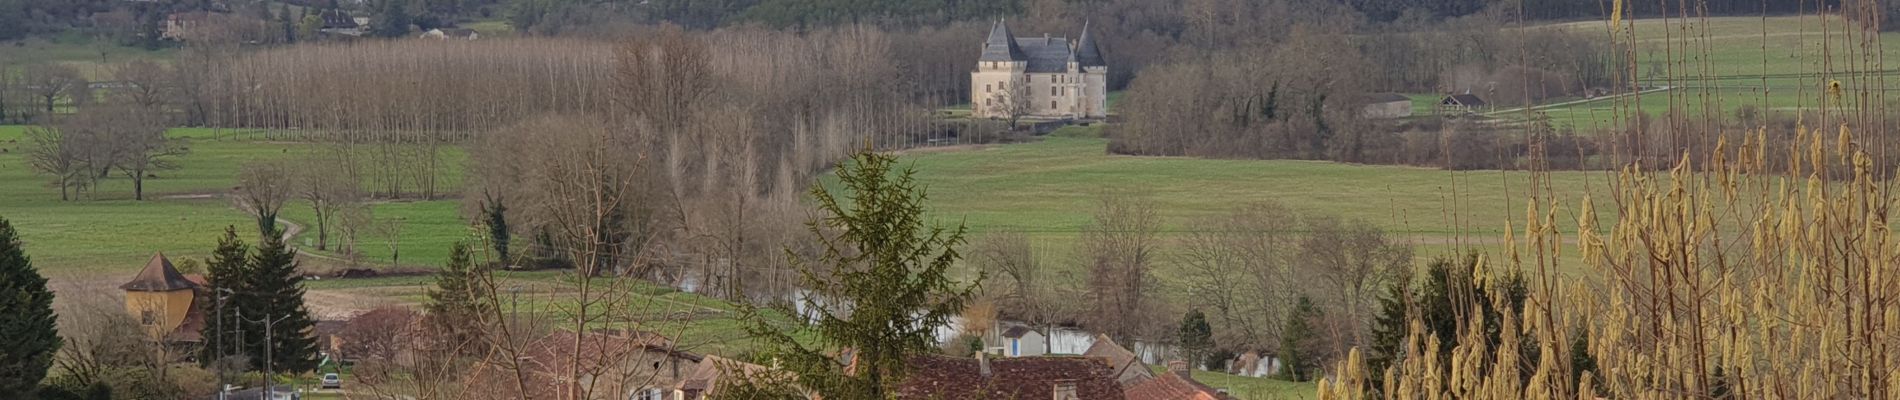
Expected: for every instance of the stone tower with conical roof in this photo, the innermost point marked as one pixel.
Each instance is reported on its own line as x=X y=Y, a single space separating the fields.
x=1039 y=77
x=164 y=302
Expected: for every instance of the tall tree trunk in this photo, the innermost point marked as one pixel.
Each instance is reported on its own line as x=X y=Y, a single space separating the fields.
x=138 y=186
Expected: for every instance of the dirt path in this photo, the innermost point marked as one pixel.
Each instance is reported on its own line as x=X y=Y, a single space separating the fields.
x=1576 y=102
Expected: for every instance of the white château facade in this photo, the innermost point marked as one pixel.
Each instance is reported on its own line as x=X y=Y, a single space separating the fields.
x=1039 y=77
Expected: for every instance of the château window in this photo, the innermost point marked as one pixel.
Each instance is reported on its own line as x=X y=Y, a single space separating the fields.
x=986 y=88
x=148 y=317
x=1052 y=104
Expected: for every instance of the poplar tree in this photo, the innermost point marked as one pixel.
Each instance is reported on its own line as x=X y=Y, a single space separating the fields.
x=28 y=333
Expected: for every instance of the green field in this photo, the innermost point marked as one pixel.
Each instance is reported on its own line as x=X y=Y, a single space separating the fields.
x=93 y=57
x=1246 y=388
x=1049 y=190
x=1775 y=64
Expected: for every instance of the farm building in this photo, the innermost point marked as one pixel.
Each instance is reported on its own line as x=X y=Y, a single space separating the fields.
x=451 y=33
x=1461 y=103
x=1387 y=106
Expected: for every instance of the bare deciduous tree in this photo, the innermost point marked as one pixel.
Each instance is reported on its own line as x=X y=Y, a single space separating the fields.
x=1354 y=259
x=48 y=82
x=1024 y=286
x=139 y=135
x=1012 y=102
x=380 y=334
x=1238 y=264
x=263 y=188
x=143 y=83
x=1119 y=251
x=52 y=152
x=327 y=188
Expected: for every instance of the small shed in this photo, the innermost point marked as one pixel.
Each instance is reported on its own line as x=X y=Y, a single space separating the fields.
x=1463 y=103
x=1021 y=341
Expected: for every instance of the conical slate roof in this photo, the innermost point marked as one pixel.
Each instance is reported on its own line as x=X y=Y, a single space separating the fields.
x=1086 y=52
x=158 y=276
x=1001 y=46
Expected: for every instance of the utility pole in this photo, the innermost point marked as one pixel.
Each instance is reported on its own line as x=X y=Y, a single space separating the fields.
x=220 y=350
x=270 y=345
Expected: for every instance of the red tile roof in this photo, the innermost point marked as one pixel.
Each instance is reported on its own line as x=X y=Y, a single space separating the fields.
x=940 y=377
x=1172 y=386
x=1128 y=368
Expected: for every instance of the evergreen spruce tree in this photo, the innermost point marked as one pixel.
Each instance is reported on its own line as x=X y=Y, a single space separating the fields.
x=883 y=259
x=1197 y=337
x=497 y=221
x=1389 y=330
x=1293 y=340
x=457 y=303
x=284 y=22
x=392 y=19
x=226 y=272
x=28 y=333
x=276 y=292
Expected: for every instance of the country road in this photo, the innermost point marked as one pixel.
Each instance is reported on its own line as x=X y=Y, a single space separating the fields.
x=1576 y=102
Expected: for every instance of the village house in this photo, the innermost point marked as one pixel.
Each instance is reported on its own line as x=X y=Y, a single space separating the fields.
x=1177 y=384
x=169 y=306
x=617 y=364
x=1127 y=366
x=1039 y=77
x=1047 y=377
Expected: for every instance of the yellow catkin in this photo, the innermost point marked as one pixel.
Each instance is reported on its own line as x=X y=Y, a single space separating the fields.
x=1769 y=283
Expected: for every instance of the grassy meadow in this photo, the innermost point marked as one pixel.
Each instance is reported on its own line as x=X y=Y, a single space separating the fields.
x=1775 y=64
x=93 y=57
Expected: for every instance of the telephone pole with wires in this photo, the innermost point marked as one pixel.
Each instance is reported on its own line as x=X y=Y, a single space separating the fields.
x=270 y=345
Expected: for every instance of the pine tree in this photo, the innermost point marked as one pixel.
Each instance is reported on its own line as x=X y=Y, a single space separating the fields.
x=28 y=333
x=1197 y=337
x=456 y=305
x=276 y=292
x=893 y=269
x=1293 y=340
x=226 y=273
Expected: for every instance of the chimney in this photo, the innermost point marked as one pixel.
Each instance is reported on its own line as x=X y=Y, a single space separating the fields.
x=1179 y=367
x=983 y=363
x=1065 y=390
